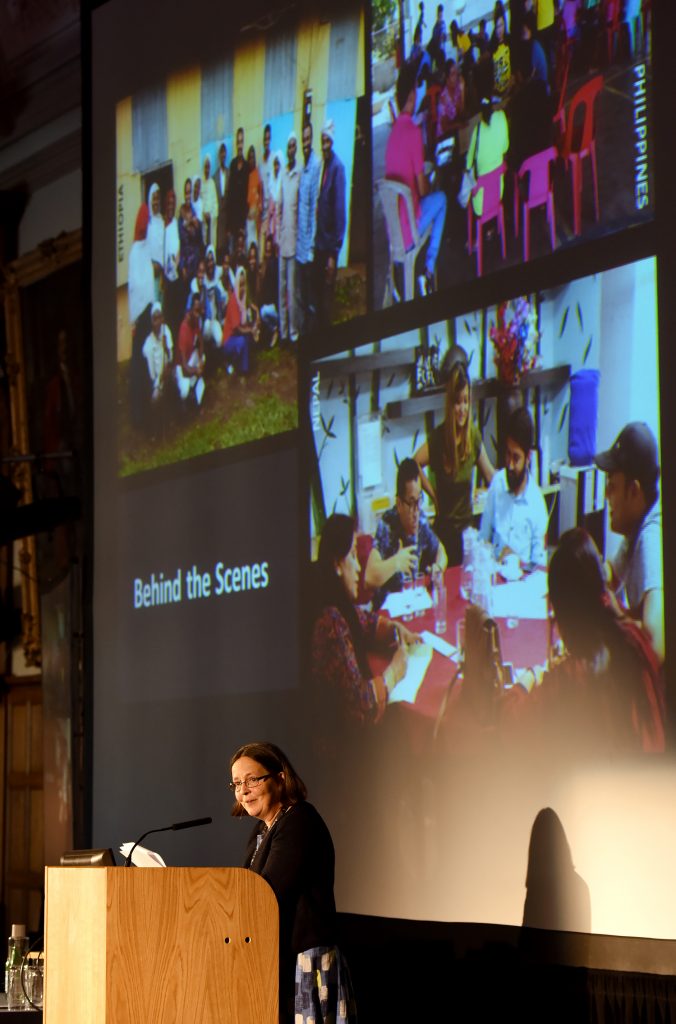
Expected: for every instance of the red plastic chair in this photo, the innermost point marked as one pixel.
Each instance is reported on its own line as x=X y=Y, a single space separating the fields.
x=576 y=146
x=492 y=209
x=540 y=193
x=561 y=72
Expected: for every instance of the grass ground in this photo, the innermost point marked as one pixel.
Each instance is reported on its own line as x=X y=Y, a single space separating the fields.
x=229 y=415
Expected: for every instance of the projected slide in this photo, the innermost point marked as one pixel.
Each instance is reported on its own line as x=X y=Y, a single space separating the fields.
x=236 y=233
x=206 y=595
x=490 y=485
x=498 y=139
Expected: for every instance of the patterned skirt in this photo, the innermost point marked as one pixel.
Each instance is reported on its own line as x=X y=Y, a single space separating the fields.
x=323 y=992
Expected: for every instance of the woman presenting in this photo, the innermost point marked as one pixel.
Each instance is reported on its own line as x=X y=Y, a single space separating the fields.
x=291 y=848
x=453 y=450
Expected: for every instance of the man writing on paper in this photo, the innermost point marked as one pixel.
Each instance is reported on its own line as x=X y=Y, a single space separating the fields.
x=632 y=475
x=514 y=520
x=405 y=542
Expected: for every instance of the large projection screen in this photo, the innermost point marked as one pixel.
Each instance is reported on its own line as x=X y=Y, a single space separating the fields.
x=215 y=477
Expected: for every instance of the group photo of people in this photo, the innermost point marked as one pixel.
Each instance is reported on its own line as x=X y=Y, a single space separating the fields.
x=236 y=241
x=502 y=132
x=487 y=552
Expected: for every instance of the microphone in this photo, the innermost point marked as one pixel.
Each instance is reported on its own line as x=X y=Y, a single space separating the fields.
x=193 y=823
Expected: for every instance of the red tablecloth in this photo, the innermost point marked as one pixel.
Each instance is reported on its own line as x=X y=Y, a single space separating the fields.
x=524 y=644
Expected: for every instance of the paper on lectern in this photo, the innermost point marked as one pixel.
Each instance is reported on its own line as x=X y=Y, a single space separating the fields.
x=142 y=857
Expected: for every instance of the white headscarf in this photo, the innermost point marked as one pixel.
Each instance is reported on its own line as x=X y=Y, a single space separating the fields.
x=276 y=181
x=141 y=280
x=241 y=273
x=155 y=234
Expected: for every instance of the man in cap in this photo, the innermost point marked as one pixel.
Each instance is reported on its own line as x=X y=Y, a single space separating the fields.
x=331 y=222
x=633 y=472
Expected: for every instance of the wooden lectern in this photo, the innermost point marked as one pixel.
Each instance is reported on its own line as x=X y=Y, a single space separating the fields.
x=160 y=946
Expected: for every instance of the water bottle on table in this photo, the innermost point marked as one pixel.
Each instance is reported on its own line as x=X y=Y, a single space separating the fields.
x=17 y=947
x=470 y=537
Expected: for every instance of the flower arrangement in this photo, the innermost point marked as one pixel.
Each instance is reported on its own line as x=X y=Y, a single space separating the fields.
x=515 y=337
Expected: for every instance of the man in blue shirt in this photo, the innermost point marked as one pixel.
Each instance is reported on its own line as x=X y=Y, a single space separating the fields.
x=405 y=542
x=307 y=228
x=514 y=519
x=331 y=223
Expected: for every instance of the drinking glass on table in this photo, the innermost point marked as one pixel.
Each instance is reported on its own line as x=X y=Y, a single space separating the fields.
x=439 y=601
x=35 y=982
x=419 y=586
x=460 y=639
x=409 y=584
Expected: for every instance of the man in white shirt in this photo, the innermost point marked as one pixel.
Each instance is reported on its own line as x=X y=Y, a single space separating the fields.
x=515 y=517
x=288 y=233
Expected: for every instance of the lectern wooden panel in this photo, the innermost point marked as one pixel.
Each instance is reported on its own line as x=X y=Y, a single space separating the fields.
x=160 y=946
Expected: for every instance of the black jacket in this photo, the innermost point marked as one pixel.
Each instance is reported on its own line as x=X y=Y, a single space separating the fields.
x=297 y=859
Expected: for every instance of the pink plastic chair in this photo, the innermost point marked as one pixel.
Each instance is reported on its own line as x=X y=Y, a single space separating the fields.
x=491 y=209
x=576 y=146
x=540 y=193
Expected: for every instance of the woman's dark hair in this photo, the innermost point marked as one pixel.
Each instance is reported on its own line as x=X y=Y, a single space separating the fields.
x=484 y=81
x=406 y=83
x=329 y=592
x=274 y=761
x=591 y=628
x=578 y=593
x=520 y=428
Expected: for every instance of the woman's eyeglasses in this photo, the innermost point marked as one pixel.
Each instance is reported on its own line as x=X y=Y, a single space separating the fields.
x=251 y=782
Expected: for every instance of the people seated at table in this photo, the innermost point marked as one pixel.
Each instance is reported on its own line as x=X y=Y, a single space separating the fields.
x=452 y=451
x=343 y=634
x=405 y=542
x=490 y=138
x=514 y=519
x=635 y=572
x=404 y=162
x=606 y=695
